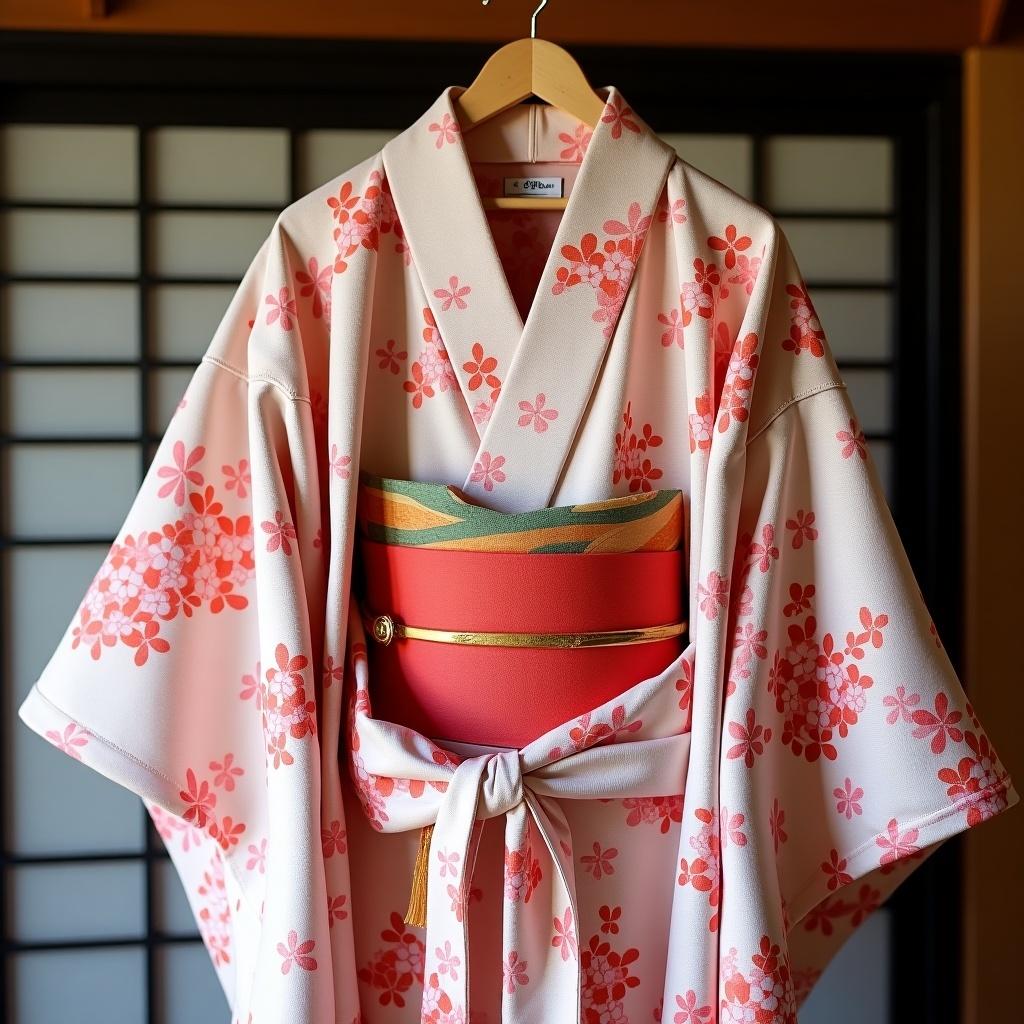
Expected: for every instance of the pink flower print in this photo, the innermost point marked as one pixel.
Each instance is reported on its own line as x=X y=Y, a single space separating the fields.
x=459 y=901
x=336 y=909
x=317 y=282
x=226 y=771
x=575 y=144
x=616 y=113
x=447 y=130
x=513 y=972
x=448 y=962
x=258 y=857
x=894 y=845
x=251 y=686
x=282 y=308
x=690 y=1012
x=732 y=828
x=280 y=533
x=564 y=940
x=453 y=294
x=752 y=739
x=848 y=799
x=730 y=245
x=673 y=213
x=480 y=368
x=146 y=640
x=610 y=919
x=340 y=463
x=835 y=870
x=674 y=335
x=180 y=472
x=296 y=953
x=199 y=800
x=343 y=202
x=536 y=414
x=802 y=525
x=449 y=863
x=938 y=725
x=901 y=705
x=852 y=441
x=599 y=862
x=227 y=832
x=69 y=740
x=333 y=839
x=714 y=594
x=776 y=821
x=333 y=672
x=390 y=358
x=238 y=480
x=488 y=469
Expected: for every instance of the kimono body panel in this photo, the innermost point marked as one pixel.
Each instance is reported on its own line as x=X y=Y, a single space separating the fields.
x=658 y=334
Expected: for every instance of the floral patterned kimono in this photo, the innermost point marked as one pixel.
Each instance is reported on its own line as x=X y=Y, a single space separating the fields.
x=693 y=847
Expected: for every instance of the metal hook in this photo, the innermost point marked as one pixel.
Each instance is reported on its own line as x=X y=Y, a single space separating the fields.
x=533 y=17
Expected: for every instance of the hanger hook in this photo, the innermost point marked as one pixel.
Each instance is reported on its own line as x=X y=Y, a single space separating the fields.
x=533 y=17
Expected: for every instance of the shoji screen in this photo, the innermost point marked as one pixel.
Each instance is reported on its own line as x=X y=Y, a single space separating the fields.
x=120 y=245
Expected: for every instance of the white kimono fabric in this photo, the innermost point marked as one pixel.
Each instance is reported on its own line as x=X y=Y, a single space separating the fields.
x=694 y=851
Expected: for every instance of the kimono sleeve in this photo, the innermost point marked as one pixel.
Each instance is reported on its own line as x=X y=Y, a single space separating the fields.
x=187 y=671
x=848 y=739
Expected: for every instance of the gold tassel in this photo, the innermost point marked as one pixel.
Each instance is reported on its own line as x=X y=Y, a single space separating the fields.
x=416 y=915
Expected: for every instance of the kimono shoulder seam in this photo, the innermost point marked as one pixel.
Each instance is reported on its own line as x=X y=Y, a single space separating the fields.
x=817 y=389
x=250 y=377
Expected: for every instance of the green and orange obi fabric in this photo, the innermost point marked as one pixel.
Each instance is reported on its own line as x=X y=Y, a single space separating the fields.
x=592 y=594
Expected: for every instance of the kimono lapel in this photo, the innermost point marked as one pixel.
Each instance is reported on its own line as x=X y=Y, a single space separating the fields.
x=534 y=379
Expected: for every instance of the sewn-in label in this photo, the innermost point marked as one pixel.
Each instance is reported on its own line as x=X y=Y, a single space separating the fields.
x=535 y=187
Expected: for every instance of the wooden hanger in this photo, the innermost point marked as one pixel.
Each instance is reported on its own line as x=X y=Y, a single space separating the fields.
x=527 y=67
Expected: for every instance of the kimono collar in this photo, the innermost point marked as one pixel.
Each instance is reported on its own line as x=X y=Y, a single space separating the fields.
x=515 y=375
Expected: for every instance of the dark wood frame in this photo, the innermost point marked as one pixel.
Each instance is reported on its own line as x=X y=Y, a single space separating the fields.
x=299 y=84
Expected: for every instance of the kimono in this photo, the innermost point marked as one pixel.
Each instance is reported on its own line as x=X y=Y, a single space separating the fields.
x=696 y=846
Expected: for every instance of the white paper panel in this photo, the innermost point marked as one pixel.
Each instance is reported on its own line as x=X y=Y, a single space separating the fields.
x=173 y=913
x=89 y=163
x=183 y=318
x=841 y=250
x=828 y=173
x=219 y=165
x=206 y=244
x=727 y=158
x=855 y=987
x=166 y=390
x=72 y=242
x=871 y=394
x=93 y=900
x=76 y=490
x=70 y=321
x=323 y=155
x=73 y=401
x=87 y=986
x=189 y=991
x=858 y=323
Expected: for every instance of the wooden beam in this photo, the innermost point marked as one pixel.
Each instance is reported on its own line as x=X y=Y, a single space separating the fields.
x=991 y=12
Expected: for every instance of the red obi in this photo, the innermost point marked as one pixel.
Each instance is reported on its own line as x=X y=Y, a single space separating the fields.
x=502 y=695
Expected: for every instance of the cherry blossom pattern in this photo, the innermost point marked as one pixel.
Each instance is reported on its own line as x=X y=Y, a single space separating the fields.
x=315 y=283
x=202 y=559
x=296 y=954
x=732 y=243
x=734 y=404
x=576 y=145
x=702 y=871
x=564 y=938
x=397 y=966
x=287 y=712
x=605 y=265
x=480 y=370
x=649 y=810
x=802 y=525
x=391 y=357
x=537 y=413
x=282 y=308
x=599 y=863
x=71 y=740
x=818 y=687
x=447 y=130
x=698 y=297
x=752 y=739
x=431 y=372
x=805 y=333
x=238 y=478
x=852 y=440
x=617 y=114
x=513 y=972
x=701 y=422
x=213 y=912
x=454 y=295
x=764 y=993
x=632 y=459
x=851 y=912
x=487 y=469
x=671 y=214
x=606 y=978
x=587 y=731
x=672 y=335
x=200 y=801
x=280 y=533
x=522 y=873
x=848 y=799
x=360 y=219
x=689 y=1012
x=181 y=473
